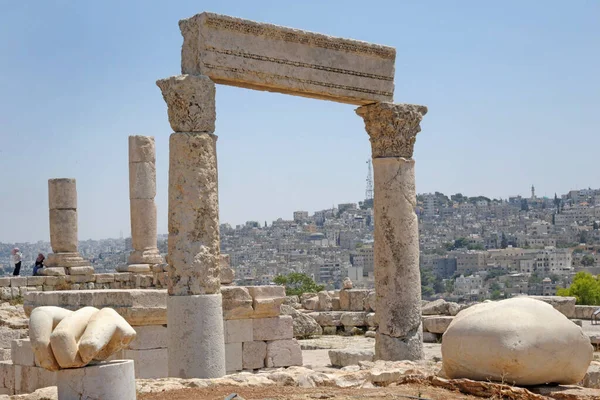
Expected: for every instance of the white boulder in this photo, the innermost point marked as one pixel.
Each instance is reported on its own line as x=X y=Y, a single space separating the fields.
x=518 y=341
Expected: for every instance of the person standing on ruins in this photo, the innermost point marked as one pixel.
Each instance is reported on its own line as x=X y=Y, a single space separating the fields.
x=16 y=257
x=39 y=263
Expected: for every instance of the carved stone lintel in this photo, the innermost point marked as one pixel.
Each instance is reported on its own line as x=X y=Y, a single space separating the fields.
x=392 y=127
x=191 y=102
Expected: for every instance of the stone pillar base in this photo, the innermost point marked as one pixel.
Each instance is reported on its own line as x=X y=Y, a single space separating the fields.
x=196 y=344
x=389 y=348
x=105 y=380
x=148 y=256
x=69 y=261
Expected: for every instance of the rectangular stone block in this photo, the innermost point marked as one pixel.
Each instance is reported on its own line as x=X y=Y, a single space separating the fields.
x=105 y=278
x=149 y=364
x=122 y=277
x=82 y=278
x=21 y=353
x=29 y=379
x=5 y=355
x=273 y=328
x=4 y=282
x=7 y=335
x=150 y=337
x=254 y=354
x=18 y=281
x=7 y=375
x=266 y=300
x=233 y=357
x=237 y=303
x=35 y=280
x=283 y=353
x=268 y=57
x=238 y=330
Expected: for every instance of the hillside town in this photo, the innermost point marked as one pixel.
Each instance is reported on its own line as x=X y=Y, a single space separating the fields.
x=472 y=248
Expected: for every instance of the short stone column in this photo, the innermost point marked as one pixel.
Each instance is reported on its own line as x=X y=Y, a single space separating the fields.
x=392 y=129
x=194 y=306
x=142 y=190
x=65 y=259
x=105 y=380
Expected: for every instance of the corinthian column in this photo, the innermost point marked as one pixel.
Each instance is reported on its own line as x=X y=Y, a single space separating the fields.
x=142 y=190
x=392 y=129
x=194 y=308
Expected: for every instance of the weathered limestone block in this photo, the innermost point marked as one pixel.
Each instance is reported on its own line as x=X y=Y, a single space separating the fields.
x=325 y=301
x=191 y=102
x=238 y=331
x=143 y=232
x=304 y=325
x=149 y=363
x=194 y=244
x=233 y=357
x=35 y=280
x=345 y=300
x=370 y=301
x=371 y=319
x=436 y=307
x=565 y=305
x=7 y=335
x=28 y=379
x=88 y=271
x=266 y=300
x=22 y=353
x=7 y=375
x=262 y=56
x=53 y=271
x=332 y=318
x=237 y=303
x=62 y=194
x=429 y=337
x=18 y=281
x=311 y=303
x=353 y=299
x=582 y=312
x=4 y=282
x=105 y=278
x=347 y=283
x=520 y=341
x=436 y=324
x=349 y=356
x=254 y=354
x=283 y=353
x=277 y=328
x=227 y=273
x=150 y=337
x=353 y=319
x=592 y=376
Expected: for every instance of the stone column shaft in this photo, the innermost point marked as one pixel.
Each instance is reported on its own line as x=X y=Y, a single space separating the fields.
x=142 y=190
x=194 y=306
x=392 y=129
x=62 y=202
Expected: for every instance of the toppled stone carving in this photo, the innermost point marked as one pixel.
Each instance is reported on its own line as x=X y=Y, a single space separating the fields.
x=347 y=283
x=62 y=338
x=518 y=341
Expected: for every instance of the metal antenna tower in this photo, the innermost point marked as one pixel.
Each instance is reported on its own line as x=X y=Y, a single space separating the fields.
x=369 y=189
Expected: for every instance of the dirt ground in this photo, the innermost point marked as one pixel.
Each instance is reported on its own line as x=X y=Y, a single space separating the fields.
x=409 y=391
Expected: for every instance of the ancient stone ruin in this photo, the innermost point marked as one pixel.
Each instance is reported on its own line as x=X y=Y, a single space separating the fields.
x=231 y=51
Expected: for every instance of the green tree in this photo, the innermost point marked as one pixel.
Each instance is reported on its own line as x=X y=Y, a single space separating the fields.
x=438 y=285
x=503 y=242
x=496 y=295
x=588 y=260
x=297 y=283
x=585 y=287
x=449 y=283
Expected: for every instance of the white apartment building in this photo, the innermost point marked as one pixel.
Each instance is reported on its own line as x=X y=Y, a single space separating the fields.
x=363 y=258
x=470 y=261
x=554 y=261
x=470 y=285
x=429 y=205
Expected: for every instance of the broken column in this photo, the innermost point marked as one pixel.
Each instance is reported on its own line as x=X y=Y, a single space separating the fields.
x=194 y=306
x=142 y=190
x=392 y=129
x=65 y=259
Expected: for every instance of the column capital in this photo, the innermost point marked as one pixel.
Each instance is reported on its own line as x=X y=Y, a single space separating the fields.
x=191 y=102
x=392 y=127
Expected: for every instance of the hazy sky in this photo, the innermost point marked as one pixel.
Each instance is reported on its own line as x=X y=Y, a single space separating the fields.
x=513 y=90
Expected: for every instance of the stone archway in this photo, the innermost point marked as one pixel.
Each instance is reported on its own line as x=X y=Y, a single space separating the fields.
x=237 y=52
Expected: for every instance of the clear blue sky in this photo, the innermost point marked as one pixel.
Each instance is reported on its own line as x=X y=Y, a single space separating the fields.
x=513 y=90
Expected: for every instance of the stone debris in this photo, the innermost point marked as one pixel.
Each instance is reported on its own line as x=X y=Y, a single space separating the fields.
x=304 y=325
x=349 y=356
x=519 y=340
